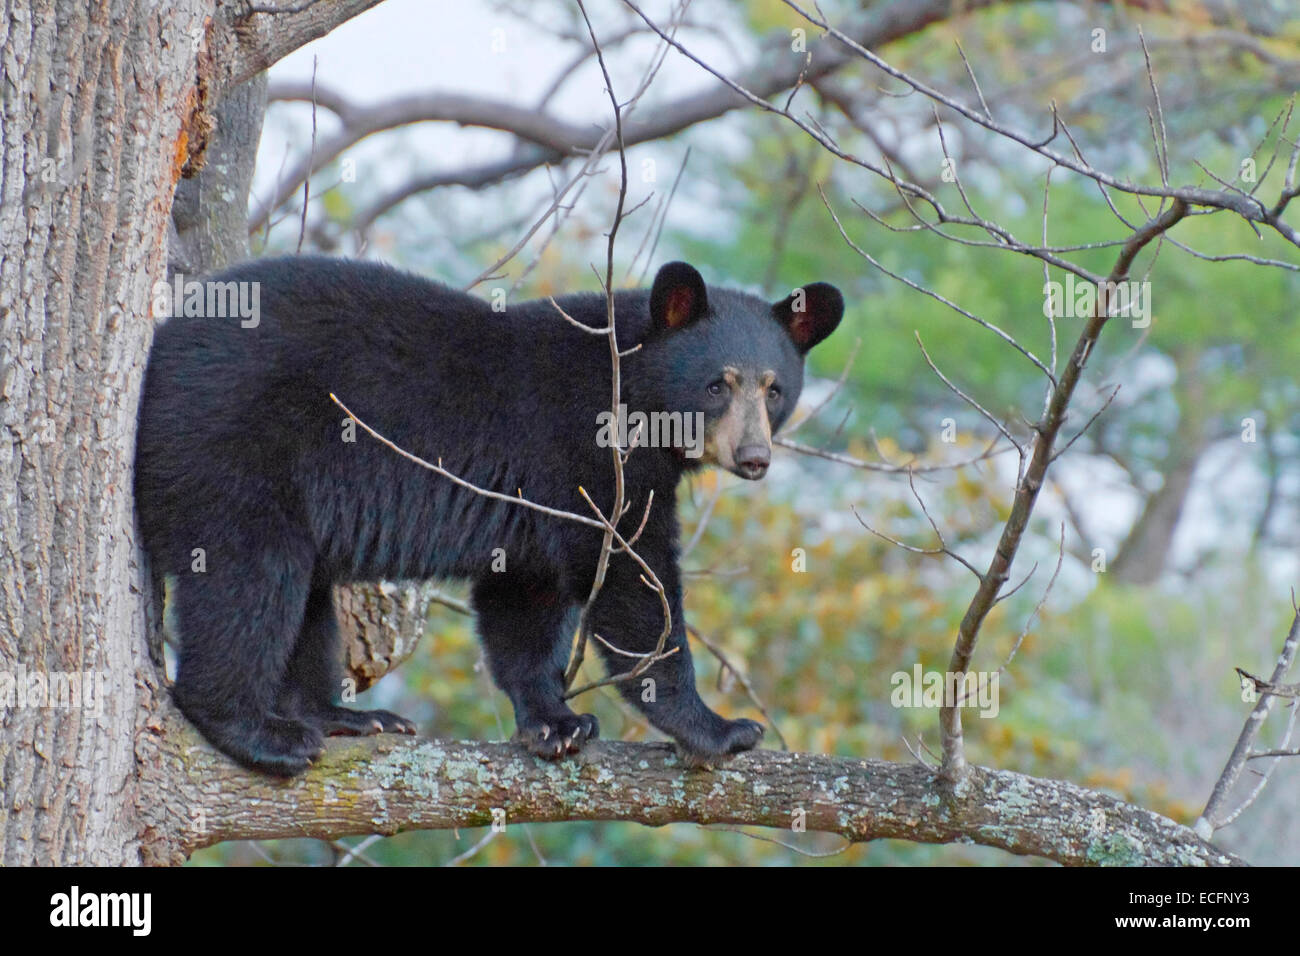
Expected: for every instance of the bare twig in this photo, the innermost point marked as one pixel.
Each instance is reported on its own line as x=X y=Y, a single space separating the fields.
x=1261 y=777
x=781 y=843
x=306 y=183
x=456 y=479
x=1004 y=336
x=474 y=850
x=967 y=399
x=657 y=223
x=1088 y=424
x=886 y=467
x=616 y=386
x=703 y=521
x=1211 y=817
x=447 y=601
x=1263 y=686
x=839 y=384
x=354 y=852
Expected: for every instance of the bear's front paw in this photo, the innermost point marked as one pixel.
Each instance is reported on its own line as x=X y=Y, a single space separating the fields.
x=552 y=737
x=732 y=737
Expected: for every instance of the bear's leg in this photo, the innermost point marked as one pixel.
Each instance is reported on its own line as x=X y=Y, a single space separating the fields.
x=527 y=626
x=238 y=619
x=629 y=616
x=313 y=680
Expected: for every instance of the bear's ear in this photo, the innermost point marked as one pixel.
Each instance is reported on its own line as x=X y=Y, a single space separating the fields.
x=810 y=314
x=677 y=297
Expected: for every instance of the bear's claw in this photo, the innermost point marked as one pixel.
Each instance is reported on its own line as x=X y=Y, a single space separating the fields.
x=555 y=736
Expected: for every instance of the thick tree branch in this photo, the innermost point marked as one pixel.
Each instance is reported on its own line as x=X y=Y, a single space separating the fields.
x=254 y=36
x=358 y=122
x=391 y=784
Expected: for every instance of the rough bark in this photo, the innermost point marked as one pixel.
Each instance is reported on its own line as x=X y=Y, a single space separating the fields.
x=93 y=107
x=245 y=43
x=391 y=784
x=209 y=210
x=382 y=625
x=103 y=106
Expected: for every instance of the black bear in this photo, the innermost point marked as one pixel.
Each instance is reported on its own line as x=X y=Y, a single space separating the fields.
x=257 y=494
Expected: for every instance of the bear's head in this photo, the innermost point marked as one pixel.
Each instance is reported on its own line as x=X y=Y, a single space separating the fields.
x=732 y=359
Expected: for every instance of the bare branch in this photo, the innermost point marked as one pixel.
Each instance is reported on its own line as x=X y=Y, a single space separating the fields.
x=839 y=384
x=616 y=401
x=1030 y=484
x=1010 y=340
x=555 y=136
x=1088 y=424
x=1261 y=778
x=887 y=468
x=1210 y=818
x=1263 y=686
x=306 y=183
x=966 y=398
x=249 y=41
x=770 y=71
x=1248 y=208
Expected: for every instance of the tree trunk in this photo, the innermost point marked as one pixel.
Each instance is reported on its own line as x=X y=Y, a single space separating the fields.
x=381 y=625
x=103 y=106
x=95 y=112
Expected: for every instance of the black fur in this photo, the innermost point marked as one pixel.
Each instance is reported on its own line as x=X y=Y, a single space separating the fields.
x=241 y=453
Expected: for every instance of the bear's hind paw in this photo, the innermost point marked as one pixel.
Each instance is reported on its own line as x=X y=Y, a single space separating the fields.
x=342 y=722
x=558 y=735
x=278 y=746
x=736 y=736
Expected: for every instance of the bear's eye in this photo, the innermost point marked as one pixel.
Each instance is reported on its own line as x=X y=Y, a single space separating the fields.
x=715 y=388
x=774 y=392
